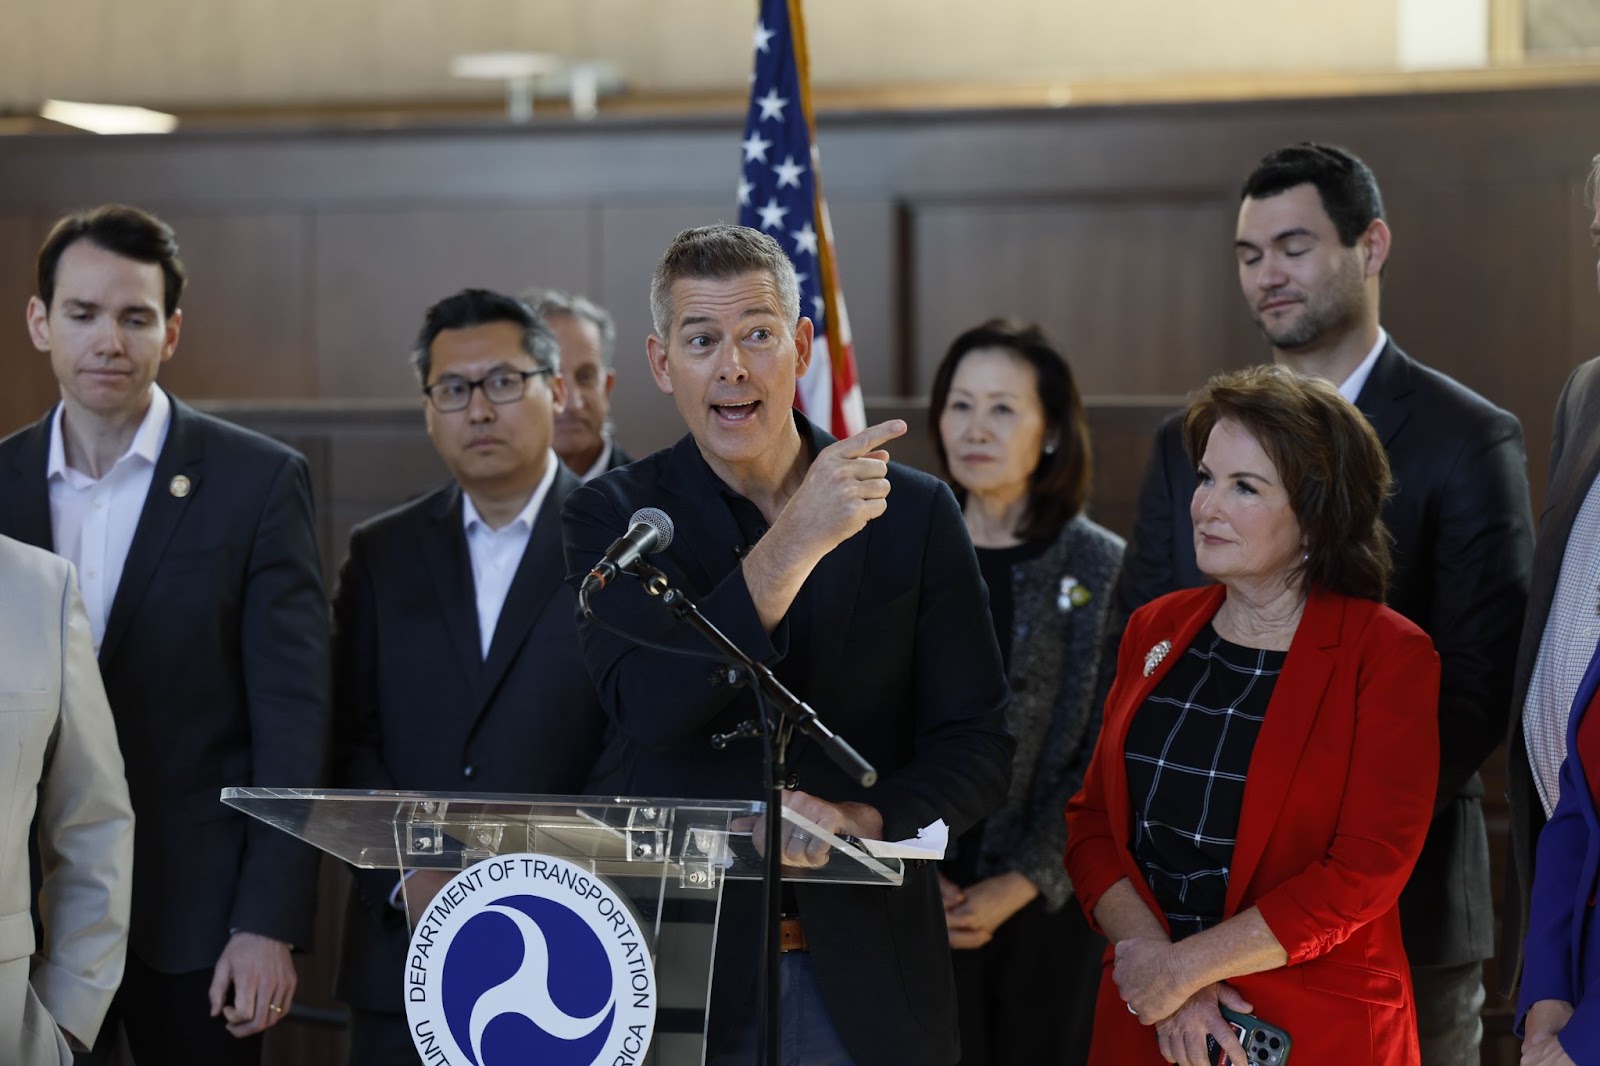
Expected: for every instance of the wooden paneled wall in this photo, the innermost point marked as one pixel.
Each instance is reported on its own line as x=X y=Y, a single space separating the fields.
x=312 y=256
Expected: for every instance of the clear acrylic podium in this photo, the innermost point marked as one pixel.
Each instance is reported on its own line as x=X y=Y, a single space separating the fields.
x=669 y=858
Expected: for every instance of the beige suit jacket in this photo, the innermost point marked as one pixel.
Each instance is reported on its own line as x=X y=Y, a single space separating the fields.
x=59 y=754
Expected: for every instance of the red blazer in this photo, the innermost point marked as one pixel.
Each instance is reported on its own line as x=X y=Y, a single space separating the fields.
x=1337 y=802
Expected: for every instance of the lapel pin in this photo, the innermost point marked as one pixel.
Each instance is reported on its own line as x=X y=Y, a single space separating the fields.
x=1072 y=594
x=1153 y=657
x=180 y=486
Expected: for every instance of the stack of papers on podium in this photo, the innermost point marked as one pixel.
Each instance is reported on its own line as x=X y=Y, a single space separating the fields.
x=930 y=842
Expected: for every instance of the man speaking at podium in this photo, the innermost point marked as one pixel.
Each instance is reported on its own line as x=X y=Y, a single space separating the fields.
x=853 y=579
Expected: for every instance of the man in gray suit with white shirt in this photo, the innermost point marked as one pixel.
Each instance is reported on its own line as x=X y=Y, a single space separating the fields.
x=59 y=758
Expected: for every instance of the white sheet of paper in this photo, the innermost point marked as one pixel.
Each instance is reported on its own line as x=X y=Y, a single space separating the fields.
x=930 y=842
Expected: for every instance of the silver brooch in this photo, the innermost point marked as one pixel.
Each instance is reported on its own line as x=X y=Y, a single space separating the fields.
x=1153 y=657
x=1072 y=594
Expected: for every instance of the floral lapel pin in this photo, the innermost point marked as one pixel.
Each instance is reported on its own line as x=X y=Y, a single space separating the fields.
x=1153 y=657
x=1072 y=594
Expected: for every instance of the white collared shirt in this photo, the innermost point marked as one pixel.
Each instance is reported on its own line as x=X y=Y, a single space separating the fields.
x=1571 y=632
x=93 y=521
x=496 y=553
x=598 y=467
x=1351 y=387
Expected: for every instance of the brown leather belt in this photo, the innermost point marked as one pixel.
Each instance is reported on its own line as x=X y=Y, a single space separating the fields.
x=792 y=936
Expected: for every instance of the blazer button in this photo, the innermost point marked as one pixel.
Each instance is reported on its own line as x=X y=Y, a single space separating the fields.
x=469 y=772
x=793 y=782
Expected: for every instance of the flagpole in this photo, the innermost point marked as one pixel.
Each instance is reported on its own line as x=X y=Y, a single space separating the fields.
x=840 y=346
x=826 y=267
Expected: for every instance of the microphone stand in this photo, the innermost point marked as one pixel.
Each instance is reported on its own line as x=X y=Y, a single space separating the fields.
x=793 y=713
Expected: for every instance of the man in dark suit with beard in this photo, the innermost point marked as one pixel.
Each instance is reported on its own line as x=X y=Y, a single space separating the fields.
x=1311 y=244
x=456 y=663
x=198 y=562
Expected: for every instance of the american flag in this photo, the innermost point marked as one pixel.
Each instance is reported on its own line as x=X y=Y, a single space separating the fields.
x=780 y=193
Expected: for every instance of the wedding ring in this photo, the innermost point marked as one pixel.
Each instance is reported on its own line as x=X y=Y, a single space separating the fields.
x=274 y=1008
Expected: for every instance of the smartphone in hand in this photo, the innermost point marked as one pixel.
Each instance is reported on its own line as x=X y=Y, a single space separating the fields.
x=1265 y=1043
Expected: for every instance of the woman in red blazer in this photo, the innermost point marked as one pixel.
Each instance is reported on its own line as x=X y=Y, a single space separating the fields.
x=1267 y=767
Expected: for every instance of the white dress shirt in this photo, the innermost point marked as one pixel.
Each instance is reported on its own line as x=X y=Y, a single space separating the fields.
x=1571 y=632
x=93 y=521
x=1351 y=387
x=496 y=553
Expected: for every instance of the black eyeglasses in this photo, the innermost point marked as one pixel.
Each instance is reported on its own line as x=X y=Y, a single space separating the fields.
x=505 y=385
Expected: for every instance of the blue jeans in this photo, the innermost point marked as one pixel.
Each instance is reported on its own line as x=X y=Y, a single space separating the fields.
x=808 y=1035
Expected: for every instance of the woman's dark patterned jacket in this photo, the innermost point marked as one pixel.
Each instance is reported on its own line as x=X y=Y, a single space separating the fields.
x=1060 y=672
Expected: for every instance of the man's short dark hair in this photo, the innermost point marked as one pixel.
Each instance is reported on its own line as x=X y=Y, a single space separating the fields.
x=481 y=307
x=1345 y=185
x=120 y=230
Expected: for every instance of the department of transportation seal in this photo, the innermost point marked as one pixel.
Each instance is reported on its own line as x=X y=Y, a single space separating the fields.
x=529 y=958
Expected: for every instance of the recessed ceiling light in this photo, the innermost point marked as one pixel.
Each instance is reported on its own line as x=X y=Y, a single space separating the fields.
x=108 y=118
x=504 y=66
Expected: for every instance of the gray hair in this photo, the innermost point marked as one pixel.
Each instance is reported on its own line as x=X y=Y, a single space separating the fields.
x=553 y=302
x=716 y=253
x=1592 y=186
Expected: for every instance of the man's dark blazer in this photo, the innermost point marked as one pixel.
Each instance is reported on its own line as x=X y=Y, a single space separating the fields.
x=1574 y=464
x=899 y=658
x=417 y=706
x=215 y=660
x=1463 y=545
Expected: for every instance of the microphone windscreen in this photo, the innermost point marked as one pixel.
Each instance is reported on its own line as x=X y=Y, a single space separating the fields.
x=656 y=519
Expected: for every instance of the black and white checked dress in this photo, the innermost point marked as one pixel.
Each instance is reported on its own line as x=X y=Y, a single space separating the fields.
x=1187 y=751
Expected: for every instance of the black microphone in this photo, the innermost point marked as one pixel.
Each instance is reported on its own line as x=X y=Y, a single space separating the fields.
x=650 y=530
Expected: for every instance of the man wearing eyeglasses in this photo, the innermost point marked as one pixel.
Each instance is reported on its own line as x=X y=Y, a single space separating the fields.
x=456 y=662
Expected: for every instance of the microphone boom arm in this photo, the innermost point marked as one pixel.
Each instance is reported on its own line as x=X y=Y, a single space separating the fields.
x=800 y=713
